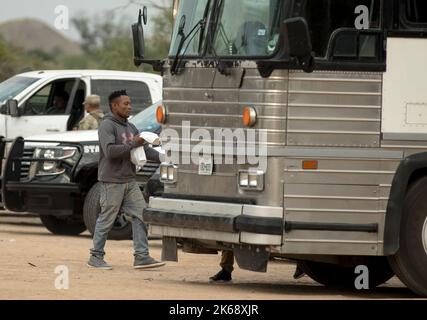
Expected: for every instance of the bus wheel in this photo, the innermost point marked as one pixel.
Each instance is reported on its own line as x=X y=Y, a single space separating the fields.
x=122 y=229
x=334 y=275
x=410 y=261
x=63 y=226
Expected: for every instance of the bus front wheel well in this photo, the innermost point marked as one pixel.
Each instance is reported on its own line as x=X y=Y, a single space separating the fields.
x=410 y=170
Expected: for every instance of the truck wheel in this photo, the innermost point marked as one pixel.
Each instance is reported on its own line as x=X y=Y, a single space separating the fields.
x=63 y=226
x=122 y=229
x=339 y=276
x=410 y=261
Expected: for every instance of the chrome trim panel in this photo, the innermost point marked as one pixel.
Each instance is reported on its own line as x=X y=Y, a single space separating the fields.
x=334 y=91
x=405 y=136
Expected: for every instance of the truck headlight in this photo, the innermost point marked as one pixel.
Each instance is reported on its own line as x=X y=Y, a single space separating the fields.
x=68 y=155
x=48 y=166
x=168 y=173
x=251 y=180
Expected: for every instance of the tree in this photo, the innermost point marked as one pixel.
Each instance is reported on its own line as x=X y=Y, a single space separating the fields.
x=7 y=61
x=107 y=38
x=14 y=60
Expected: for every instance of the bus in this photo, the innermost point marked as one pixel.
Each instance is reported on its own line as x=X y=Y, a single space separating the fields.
x=325 y=101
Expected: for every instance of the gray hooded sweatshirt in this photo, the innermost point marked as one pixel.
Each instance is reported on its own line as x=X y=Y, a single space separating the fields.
x=116 y=142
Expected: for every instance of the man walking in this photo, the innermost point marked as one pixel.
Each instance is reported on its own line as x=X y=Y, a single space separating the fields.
x=119 y=190
x=92 y=105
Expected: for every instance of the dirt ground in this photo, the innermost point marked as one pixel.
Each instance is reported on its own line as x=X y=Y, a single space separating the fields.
x=29 y=255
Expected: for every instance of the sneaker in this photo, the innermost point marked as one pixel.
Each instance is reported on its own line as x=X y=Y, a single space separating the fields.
x=299 y=273
x=147 y=263
x=222 y=276
x=98 y=263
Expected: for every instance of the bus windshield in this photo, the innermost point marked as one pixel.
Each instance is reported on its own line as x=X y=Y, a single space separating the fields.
x=248 y=28
x=254 y=32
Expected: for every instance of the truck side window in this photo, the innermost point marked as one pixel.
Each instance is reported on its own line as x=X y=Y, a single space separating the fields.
x=53 y=99
x=138 y=92
x=38 y=103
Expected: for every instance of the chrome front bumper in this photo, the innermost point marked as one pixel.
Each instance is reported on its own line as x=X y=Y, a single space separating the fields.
x=215 y=221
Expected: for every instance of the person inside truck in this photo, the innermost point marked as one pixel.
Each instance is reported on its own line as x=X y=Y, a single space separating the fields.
x=60 y=102
x=92 y=105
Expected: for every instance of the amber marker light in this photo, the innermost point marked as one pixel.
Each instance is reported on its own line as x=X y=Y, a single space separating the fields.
x=249 y=116
x=310 y=165
x=161 y=115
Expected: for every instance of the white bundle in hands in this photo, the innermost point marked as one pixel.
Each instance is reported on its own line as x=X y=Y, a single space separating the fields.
x=137 y=155
x=151 y=138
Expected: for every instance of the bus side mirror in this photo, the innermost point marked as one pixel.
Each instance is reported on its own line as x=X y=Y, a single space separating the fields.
x=12 y=108
x=299 y=42
x=138 y=38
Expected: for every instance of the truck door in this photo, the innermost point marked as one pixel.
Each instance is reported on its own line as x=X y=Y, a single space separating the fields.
x=47 y=110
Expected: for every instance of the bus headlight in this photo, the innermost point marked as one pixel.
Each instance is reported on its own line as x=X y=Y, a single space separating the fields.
x=168 y=173
x=251 y=180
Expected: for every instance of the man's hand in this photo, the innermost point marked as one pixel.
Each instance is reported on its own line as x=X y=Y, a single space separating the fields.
x=139 y=141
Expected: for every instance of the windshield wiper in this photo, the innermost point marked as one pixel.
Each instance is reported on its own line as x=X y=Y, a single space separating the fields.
x=219 y=64
x=200 y=26
x=178 y=58
x=202 y=29
x=184 y=38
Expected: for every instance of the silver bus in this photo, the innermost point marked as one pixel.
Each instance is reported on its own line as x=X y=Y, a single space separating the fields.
x=337 y=90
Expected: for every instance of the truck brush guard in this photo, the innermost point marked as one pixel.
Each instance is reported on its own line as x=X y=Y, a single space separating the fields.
x=13 y=184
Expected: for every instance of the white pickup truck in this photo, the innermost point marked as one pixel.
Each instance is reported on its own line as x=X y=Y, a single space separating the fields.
x=26 y=100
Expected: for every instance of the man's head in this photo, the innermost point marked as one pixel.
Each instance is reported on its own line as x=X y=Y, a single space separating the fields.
x=120 y=104
x=92 y=103
x=60 y=100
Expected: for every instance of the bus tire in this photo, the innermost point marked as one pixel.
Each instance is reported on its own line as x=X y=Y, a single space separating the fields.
x=410 y=261
x=63 y=226
x=333 y=275
x=122 y=229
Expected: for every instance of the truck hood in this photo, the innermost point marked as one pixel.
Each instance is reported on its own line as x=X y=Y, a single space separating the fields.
x=70 y=136
x=83 y=137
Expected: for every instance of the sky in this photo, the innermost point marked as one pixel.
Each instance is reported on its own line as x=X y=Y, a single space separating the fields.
x=45 y=10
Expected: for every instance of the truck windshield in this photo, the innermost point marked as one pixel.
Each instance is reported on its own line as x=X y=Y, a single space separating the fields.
x=10 y=88
x=248 y=28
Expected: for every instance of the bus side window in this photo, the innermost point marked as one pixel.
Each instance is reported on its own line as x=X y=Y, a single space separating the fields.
x=355 y=45
x=334 y=34
x=416 y=11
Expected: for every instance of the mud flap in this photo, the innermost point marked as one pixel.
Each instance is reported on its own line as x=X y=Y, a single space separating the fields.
x=169 y=249
x=252 y=258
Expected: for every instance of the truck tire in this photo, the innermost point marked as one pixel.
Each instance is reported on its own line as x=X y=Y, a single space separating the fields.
x=342 y=276
x=63 y=226
x=410 y=261
x=122 y=229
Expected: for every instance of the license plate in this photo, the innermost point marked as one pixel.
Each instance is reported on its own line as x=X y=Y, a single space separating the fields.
x=205 y=167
